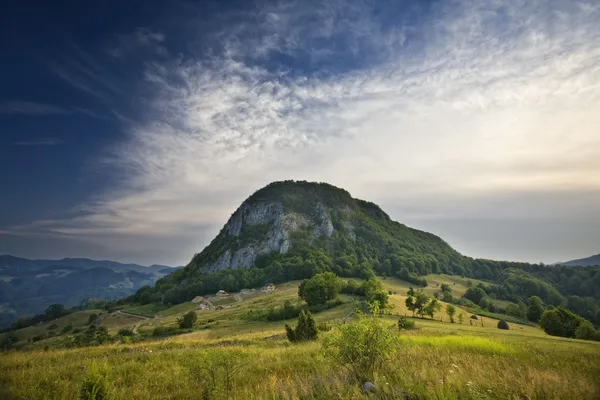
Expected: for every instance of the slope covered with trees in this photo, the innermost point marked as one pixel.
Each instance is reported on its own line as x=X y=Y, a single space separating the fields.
x=362 y=241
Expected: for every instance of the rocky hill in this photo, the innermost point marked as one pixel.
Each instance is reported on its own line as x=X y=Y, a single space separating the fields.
x=287 y=218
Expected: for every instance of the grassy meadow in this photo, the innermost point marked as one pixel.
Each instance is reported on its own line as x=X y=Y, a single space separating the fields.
x=229 y=356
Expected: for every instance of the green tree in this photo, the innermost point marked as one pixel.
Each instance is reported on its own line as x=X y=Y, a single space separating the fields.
x=421 y=301
x=460 y=318
x=187 y=322
x=445 y=288
x=451 y=310
x=586 y=331
x=534 y=309
x=306 y=328
x=320 y=288
x=410 y=304
x=475 y=294
x=432 y=307
x=55 y=311
x=560 y=322
x=92 y=319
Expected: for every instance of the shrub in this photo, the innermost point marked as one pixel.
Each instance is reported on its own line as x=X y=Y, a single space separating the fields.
x=187 y=322
x=451 y=310
x=361 y=346
x=406 y=323
x=323 y=327
x=165 y=331
x=306 y=329
x=125 y=332
x=52 y=327
x=94 y=387
x=502 y=324
x=92 y=318
x=67 y=328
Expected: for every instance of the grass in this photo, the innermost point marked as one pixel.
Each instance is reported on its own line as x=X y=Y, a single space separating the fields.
x=427 y=365
x=233 y=358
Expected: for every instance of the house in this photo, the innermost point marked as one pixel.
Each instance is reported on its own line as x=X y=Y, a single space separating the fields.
x=268 y=287
x=222 y=293
x=203 y=306
x=197 y=299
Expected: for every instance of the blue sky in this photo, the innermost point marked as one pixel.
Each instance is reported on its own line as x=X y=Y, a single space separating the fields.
x=131 y=132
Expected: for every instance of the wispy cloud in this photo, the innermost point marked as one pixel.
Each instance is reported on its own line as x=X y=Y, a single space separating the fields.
x=39 y=142
x=453 y=105
x=30 y=108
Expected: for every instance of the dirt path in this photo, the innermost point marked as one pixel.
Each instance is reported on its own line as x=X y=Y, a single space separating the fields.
x=133 y=315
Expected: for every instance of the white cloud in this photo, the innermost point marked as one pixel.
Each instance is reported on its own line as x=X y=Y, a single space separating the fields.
x=473 y=101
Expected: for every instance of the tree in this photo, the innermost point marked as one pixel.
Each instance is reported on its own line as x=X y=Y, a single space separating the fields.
x=92 y=318
x=306 y=328
x=475 y=294
x=460 y=318
x=421 y=300
x=445 y=288
x=410 y=304
x=534 y=309
x=55 y=311
x=187 y=322
x=586 y=331
x=560 y=322
x=451 y=310
x=432 y=307
x=320 y=288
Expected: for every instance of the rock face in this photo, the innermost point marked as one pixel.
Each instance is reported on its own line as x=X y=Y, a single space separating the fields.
x=285 y=221
x=266 y=227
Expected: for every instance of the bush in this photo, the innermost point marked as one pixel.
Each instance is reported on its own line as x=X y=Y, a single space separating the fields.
x=187 y=322
x=125 y=332
x=406 y=323
x=306 y=329
x=323 y=327
x=361 y=346
x=502 y=324
x=165 y=331
x=94 y=387
x=67 y=328
x=92 y=318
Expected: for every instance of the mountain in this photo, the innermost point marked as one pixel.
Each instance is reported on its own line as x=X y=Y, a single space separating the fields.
x=29 y=286
x=286 y=217
x=584 y=262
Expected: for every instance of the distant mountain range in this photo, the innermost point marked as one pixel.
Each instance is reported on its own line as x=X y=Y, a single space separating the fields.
x=27 y=287
x=584 y=262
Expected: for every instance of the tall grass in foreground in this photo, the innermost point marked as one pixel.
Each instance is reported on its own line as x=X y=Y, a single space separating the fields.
x=424 y=367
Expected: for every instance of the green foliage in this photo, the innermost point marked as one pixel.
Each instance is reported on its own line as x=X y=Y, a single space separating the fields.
x=94 y=387
x=306 y=329
x=160 y=331
x=320 y=288
x=535 y=309
x=188 y=320
x=361 y=346
x=475 y=294
x=502 y=324
x=451 y=310
x=8 y=342
x=560 y=322
x=92 y=319
x=586 y=331
x=125 y=332
x=406 y=323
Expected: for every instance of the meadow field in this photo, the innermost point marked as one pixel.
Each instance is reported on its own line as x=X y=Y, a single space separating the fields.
x=229 y=356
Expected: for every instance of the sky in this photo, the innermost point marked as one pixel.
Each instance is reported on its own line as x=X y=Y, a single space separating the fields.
x=131 y=131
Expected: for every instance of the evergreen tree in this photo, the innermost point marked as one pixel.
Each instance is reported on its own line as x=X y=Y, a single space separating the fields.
x=306 y=329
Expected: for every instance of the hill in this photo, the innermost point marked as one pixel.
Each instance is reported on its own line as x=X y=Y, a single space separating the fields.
x=27 y=287
x=584 y=262
x=294 y=229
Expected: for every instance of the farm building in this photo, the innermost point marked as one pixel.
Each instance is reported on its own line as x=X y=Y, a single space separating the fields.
x=203 y=306
x=268 y=287
x=222 y=293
